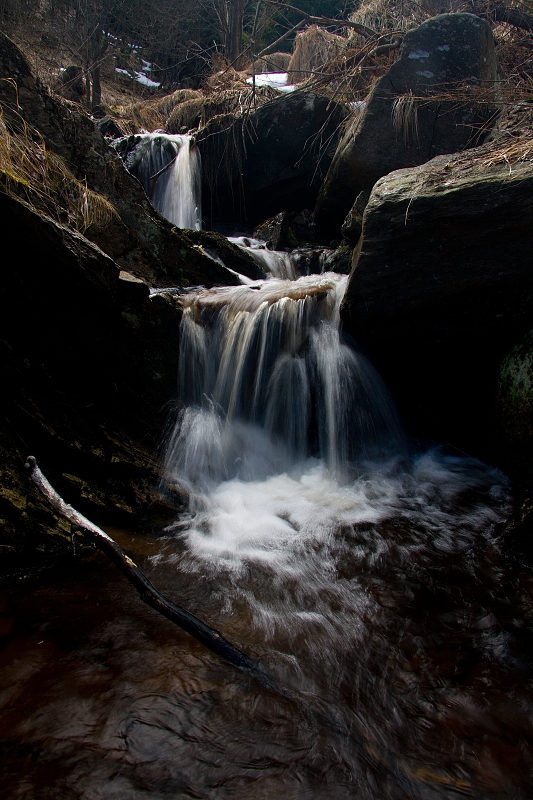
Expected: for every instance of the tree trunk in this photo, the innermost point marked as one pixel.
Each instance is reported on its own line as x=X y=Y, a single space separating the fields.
x=235 y=31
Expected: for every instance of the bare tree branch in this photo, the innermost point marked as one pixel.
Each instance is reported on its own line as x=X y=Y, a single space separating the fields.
x=362 y=29
x=207 y=636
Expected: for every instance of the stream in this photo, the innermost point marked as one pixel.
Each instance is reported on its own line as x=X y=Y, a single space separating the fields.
x=365 y=571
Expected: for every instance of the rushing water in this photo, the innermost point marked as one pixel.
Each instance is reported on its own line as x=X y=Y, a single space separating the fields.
x=169 y=168
x=365 y=573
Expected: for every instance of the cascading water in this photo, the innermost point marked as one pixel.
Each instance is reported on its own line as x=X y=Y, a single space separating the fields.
x=277 y=263
x=364 y=574
x=169 y=168
x=312 y=527
x=266 y=383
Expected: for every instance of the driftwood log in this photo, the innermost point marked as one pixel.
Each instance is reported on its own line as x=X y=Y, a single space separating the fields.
x=207 y=636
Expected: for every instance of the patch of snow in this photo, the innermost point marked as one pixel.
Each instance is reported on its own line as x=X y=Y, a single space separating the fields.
x=142 y=78
x=277 y=80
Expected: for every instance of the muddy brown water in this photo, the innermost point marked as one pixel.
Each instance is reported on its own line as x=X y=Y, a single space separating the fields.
x=424 y=690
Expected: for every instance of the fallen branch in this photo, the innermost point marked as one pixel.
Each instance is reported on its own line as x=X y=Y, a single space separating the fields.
x=317 y=711
x=207 y=636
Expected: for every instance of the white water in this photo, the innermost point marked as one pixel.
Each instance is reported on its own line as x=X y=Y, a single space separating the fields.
x=287 y=442
x=274 y=262
x=169 y=168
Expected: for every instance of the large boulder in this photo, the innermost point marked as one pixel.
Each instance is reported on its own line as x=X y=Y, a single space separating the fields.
x=400 y=126
x=270 y=160
x=89 y=364
x=443 y=286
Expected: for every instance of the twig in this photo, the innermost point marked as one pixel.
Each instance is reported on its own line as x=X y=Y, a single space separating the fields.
x=341 y=23
x=207 y=636
x=281 y=38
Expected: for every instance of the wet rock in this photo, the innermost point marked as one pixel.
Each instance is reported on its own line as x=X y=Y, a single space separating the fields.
x=274 y=158
x=443 y=286
x=233 y=257
x=444 y=54
x=109 y=128
x=303 y=226
x=352 y=226
x=276 y=232
x=340 y=259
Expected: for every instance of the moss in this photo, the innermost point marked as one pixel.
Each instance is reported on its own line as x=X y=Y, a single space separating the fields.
x=13 y=497
x=131 y=320
x=516 y=373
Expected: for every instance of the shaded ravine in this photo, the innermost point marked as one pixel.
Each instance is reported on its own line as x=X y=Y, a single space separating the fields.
x=366 y=573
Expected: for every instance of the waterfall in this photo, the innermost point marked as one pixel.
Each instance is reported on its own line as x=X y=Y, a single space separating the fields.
x=169 y=168
x=273 y=262
x=266 y=383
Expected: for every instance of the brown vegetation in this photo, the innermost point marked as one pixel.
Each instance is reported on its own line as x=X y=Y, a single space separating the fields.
x=314 y=48
x=41 y=178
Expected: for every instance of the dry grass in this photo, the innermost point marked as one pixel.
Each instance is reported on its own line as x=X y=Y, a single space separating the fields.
x=314 y=48
x=274 y=62
x=144 y=115
x=186 y=116
x=405 y=117
x=40 y=177
x=168 y=103
x=510 y=153
x=197 y=112
x=228 y=78
x=389 y=15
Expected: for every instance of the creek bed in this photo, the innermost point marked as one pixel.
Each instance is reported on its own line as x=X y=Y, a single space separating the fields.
x=412 y=653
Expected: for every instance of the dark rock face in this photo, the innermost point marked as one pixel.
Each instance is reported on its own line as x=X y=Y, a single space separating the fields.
x=276 y=159
x=396 y=131
x=514 y=410
x=89 y=362
x=72 y=86
x=276 y=232
x=352 y=227
x=443 y=285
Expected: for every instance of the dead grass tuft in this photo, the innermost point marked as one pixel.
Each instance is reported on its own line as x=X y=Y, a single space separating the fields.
x=405 y=117
x=144 y=115
x=274 y=62
x=40 y=177
x=168 y=103
x=313 y=49
x=197 y=112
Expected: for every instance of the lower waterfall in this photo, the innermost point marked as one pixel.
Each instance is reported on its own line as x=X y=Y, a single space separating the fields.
x=320 y=537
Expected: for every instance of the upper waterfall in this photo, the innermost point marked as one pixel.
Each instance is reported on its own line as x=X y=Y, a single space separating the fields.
x=169 y=168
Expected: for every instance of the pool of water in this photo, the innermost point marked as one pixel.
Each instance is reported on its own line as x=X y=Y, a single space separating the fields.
x=399 y=626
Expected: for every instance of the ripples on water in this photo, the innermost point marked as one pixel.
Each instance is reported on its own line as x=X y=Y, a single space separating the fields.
x=374 y=587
